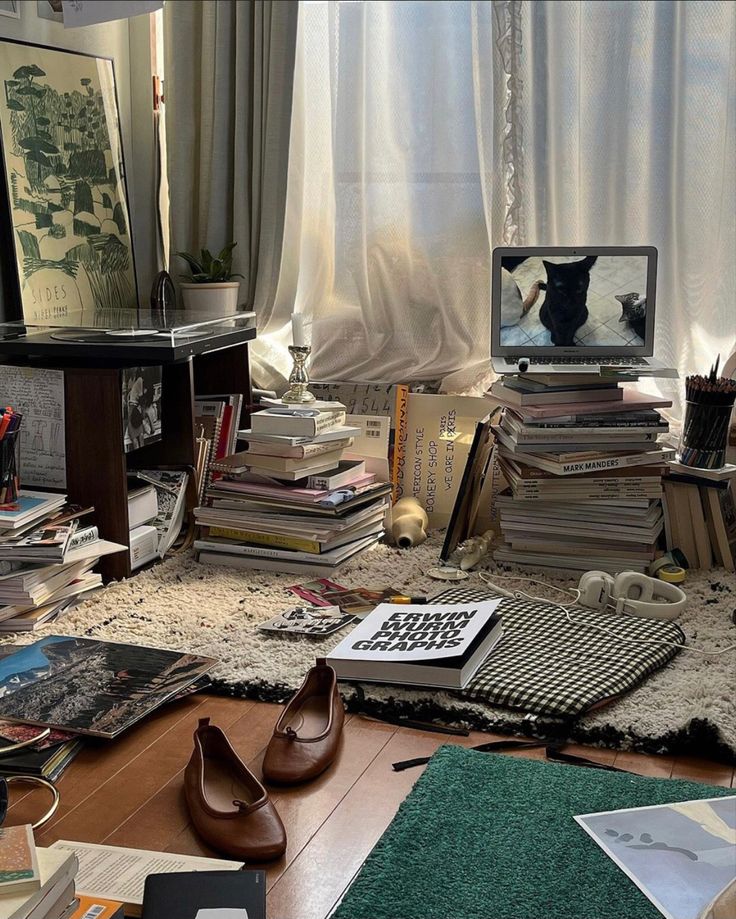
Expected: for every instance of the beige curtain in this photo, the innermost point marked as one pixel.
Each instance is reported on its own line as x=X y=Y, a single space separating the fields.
x=228 y=89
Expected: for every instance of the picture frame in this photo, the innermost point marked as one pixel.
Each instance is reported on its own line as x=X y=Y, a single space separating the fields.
x=64 y=214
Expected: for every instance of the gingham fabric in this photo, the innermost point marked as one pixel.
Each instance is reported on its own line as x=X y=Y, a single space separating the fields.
x=546 y=665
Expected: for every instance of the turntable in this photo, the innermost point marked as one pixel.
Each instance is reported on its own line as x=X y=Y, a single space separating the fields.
x=126 y=335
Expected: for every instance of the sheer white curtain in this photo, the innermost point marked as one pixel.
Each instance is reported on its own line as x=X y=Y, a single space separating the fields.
x=386 y=244
x=425 y=133
x=628 y=121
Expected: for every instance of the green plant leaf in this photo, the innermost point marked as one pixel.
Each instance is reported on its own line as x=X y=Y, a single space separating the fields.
x=38 y=157
x=42 y=120
x=227 y=251
x=16 y=106
x=194 y=265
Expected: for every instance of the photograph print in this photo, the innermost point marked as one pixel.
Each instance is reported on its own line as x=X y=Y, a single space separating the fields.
x=141 y=404
x=681 y=855
x=67 y=207
x=92 y=687
x=566 y=301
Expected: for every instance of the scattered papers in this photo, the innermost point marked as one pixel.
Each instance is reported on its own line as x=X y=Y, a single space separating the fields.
x=120 y=874
x=307 y=620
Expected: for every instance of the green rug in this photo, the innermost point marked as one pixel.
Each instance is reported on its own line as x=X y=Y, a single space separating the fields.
x=485 y=836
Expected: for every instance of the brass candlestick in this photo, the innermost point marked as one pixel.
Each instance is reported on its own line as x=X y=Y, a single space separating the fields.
x=299 y=378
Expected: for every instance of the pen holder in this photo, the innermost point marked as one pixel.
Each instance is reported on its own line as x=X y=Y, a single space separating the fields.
x=299 y=378
x=9 y=484
x=705 y=435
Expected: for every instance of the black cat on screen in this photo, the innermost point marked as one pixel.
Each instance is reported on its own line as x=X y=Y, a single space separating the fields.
x=564 y=309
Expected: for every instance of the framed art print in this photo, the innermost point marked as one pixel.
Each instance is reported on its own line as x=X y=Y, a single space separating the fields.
x=66 y=216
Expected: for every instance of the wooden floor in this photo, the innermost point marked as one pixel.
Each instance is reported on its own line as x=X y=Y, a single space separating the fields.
x=129 y=793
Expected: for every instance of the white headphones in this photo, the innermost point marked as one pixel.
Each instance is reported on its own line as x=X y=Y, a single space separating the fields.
x=631 y=593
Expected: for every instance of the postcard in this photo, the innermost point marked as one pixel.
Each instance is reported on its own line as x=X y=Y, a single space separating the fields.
x=317 y=621
x=681 y=856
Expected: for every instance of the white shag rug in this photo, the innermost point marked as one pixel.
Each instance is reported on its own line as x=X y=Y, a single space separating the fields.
x=689 y=705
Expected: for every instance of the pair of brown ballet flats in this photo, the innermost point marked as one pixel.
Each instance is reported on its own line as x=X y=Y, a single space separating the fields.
x=230 y=808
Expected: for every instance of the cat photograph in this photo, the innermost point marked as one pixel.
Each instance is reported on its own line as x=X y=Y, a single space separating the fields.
x=634 y=312
x=564 y=309
x=572 y=301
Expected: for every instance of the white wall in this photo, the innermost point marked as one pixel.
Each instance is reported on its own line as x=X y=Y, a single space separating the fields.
x=127 y=43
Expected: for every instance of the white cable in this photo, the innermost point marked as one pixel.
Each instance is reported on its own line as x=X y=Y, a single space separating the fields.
x=519 y=594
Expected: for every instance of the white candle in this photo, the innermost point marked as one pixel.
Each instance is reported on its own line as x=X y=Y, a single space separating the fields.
x=297 y=330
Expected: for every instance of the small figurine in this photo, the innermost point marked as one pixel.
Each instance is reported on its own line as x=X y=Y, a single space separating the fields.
x=406 y=523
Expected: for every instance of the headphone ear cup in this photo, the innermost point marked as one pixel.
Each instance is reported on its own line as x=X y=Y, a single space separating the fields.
x=634 y=587
x=595 y=589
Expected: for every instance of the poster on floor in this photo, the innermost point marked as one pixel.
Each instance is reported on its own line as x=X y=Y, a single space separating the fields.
x=681 y=855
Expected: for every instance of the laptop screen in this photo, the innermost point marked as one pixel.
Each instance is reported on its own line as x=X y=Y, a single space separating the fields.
x=573 y=301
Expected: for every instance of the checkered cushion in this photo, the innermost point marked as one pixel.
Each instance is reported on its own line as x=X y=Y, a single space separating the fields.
x=546 y=665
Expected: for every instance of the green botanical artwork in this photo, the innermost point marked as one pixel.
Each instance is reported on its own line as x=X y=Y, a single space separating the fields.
x=64 y=171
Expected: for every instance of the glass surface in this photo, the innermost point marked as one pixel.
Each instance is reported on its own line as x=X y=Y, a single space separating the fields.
x=121 y=324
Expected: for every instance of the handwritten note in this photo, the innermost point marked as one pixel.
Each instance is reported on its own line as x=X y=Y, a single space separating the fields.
x=38 y=394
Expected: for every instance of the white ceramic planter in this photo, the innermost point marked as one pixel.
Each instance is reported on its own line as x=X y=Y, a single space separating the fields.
x=211 y=300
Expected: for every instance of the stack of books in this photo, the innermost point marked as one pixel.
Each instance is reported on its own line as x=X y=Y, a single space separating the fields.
x=47 y=553
x=584 y=461
x=290 y=502
x=156 y=509
x=700 y=515
x=35 y=883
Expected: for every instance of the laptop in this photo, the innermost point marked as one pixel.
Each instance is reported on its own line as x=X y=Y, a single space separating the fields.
x=574 y=310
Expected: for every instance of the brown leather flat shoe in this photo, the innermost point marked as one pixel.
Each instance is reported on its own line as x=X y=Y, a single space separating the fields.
x=307 y=735
x=230 y=809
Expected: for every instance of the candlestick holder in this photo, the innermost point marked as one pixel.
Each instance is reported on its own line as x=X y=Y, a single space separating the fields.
x=299 y=378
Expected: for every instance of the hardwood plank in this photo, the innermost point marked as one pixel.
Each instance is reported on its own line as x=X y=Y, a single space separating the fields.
x=101 y=811
x=99 y=760
x=316 y=879
x=697 y=769
x=305 y=808
x=159 y=820
x=645 y=764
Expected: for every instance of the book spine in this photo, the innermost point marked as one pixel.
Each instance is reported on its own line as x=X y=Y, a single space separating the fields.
x=203 y=545
x=577 y=435
x=265 y=539
x=399 y=451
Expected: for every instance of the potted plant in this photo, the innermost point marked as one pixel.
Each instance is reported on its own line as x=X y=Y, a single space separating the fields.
x=210 y=288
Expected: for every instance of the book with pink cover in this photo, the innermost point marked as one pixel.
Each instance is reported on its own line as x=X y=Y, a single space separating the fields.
x=632 y=402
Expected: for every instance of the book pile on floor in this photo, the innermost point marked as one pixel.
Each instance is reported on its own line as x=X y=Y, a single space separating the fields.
x=47 y=553
x=584 y=462
x=700 y=515
x=35 y=883
x=290 y=502
x=156 y=507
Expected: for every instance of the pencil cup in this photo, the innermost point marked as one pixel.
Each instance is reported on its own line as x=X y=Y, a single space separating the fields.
x=704 y=438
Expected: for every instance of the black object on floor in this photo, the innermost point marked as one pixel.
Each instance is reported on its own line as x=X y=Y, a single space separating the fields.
x=184 y=895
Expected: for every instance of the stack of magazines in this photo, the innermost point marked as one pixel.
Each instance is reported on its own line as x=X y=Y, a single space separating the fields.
x=47 y=552
x=290 y=502
x=584 y=460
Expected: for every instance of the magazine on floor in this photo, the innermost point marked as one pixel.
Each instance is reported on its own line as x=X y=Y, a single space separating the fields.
x=92 y=687
x=681 y=855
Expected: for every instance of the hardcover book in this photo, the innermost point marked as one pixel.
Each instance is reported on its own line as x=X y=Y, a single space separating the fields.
x=419 y=645
x=92 y=687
